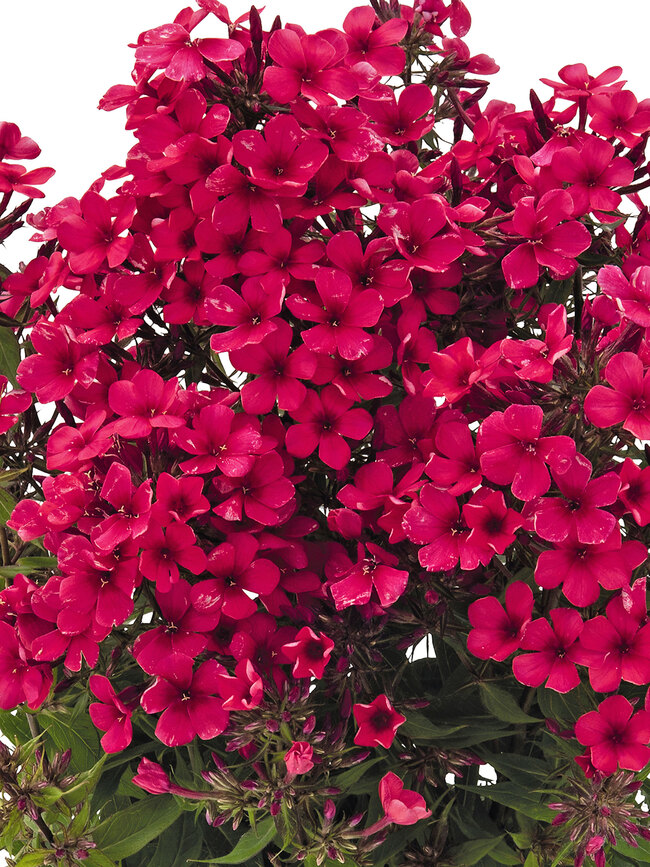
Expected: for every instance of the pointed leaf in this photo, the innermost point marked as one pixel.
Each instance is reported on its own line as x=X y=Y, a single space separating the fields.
x=250 y=844
x=127 y=831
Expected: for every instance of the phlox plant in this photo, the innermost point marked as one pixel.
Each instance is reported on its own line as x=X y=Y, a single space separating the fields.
x=343 y=360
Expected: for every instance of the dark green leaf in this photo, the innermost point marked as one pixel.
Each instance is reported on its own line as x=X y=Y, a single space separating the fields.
x=98 y=859
x=179 y=844
x=34 y=859
x=348 y=778
x=419 y=728
x=7 y=505
x=249 y=844
x=14 y=726
x=639 y=855
x=564 y=708
x=127 y=831
x=472 y=851
x=518 y=768
x=9 y=355
x=517 y=797
x=501 y=704
x=75 y=732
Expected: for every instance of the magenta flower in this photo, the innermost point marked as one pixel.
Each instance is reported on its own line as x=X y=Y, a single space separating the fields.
x=498 y=632
x=556 y=652
x=616 y=737
x=632 y=296
x=579 y=509
x=239 y=572
x=110 y=714
x=97 y=236
x=378 y=723
x=132 y=505
x=374 y=45
x=20 y=678
x=420 y=232
x=220 y=439
x=375 y=568
x=170 y=48
x=262 y=493
x=513 y=453
x=309 y=65
x=456 y=467
x=299 y=758
x=402 y=806
x=582 y=569
x=59 y=364
x=592 y=171
x=627 y=402
x=166 y=550
x=187 y=700
x=342 y=313
x=323 y=422
x=144 y=402
x=635 y=491
x=178 y=499
x=553 y=239
x=399 y=121
x=310 y=652
x=618 y=115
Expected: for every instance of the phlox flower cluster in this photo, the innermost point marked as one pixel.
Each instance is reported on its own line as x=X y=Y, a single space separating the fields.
x=322 y=384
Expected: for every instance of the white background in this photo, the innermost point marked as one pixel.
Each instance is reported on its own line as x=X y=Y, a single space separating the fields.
x=58 y=58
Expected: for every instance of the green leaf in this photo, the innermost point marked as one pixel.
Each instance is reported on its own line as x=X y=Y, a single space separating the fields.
x=564 y=708
x=347 y=779
x=7 y=505
x=127 y=831
x=9 y=355
x=75 y=732
x=14 y=726
x=518 y=768
x=85 y=783
x=517 y=797
x=179 y=844
x=419 y=728
x=34 y=859
x=8 y=477
x=502 y=705
x=249 y=844
x=472 y=851
x=641 y=854
x=98 y=859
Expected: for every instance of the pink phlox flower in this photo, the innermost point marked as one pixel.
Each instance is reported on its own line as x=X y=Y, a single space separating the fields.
x=592 y=171
x=144 y=402
x=492 y=523
x=97 y=236
x=178 y=499
x=323 y=421
x=60 y=363
x=184 y=631
x=309 y=64
x=14 y=146
x=404 y=434
x=299 y=758
x=12 y=403
x=497 y=632
x=244 y=691
x=455 y=468
x=342 y=313
x=250 y=314
x=579 y=508
x=17 y=179
x=164 y=550
x=582 y=569
x=170 y=48
x=555 y=651
x=376 y=45
x=399 y=121
x=73 y=448
x=310 y=652
x=20 y=678
x=281 y=253
x=132 y=505
x=110 y=714
x=534 y=359
x=174 y=237
x=453 y=372
x=259 y=640
x=264 y=494
x=378 y=723
x=616 y=737
x=283 y=159
x=553 y=240
x=374 y=569
x=220 y=439
x=359 y=378
x=616 y=646
x=576 y=83
x=631 y=296
x=635 y=491
x=343 y=129
x=619 y=115
x=96 y=581
x=512 y=452
x=627 y=402
x=240 y=572
x=187 y=699
x=421 y=232
x=402 y=806
x=371 y=267
x=277 y=372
